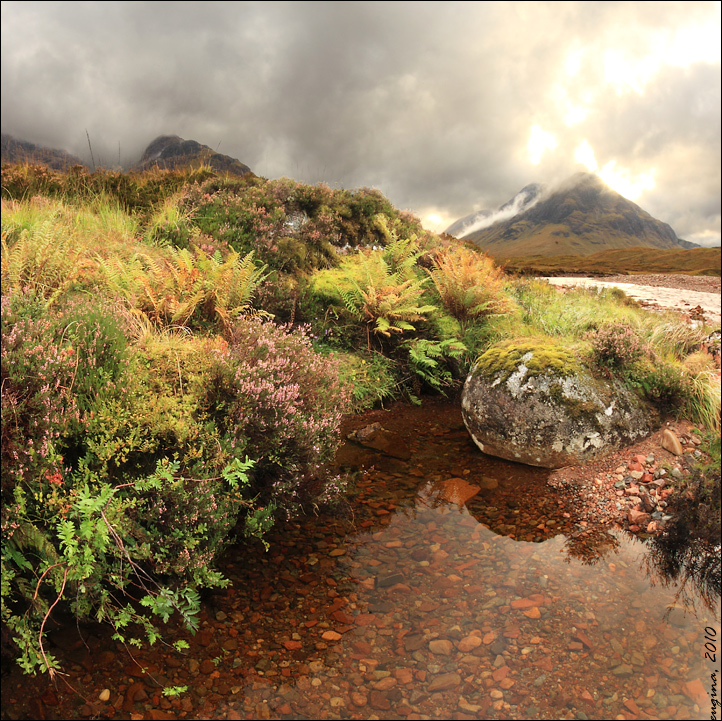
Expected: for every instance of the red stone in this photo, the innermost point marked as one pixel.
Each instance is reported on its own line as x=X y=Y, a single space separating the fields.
x=292 y=645
x=629 y=703
x=521 y=603
x=584 y=639
x=364 y=619
x=378 y=700
x=342 y=617
x=696 y=691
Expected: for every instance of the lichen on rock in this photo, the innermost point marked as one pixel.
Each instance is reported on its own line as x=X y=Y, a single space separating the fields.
x=537 y=403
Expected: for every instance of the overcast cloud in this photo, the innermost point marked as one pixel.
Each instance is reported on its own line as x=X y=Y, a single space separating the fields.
x=446 y=107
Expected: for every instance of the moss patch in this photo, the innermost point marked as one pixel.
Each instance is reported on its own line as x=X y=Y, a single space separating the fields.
x=504 y=359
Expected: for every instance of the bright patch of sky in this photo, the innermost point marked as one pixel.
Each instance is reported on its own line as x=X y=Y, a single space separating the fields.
x=539 y=142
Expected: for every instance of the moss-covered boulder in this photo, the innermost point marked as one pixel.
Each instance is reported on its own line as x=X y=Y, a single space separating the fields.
x=538 y=403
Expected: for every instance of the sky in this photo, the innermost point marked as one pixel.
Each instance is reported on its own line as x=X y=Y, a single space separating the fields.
x=445 y=107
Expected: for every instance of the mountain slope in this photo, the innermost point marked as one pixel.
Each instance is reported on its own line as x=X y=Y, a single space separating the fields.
x=170 y=151
x=13 y=150
x=581 y=217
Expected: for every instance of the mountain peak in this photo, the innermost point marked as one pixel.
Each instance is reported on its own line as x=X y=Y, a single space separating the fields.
x=172 y=151
x=582 y=215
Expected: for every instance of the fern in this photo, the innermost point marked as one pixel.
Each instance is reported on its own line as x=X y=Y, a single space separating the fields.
x=42 y=258
x=427 y=359
x=381 y=298
x=469 y=285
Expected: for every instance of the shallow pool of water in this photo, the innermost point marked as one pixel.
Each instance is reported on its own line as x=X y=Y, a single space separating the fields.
x=409 y=605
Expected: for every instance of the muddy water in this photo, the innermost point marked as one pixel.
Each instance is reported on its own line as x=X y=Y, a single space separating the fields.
x=408 y=603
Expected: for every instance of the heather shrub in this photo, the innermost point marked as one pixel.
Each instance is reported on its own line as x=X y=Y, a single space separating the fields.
x=269 y=390
x=38 y=405
x=247 y=218
x=616 y=346
x=112 y=477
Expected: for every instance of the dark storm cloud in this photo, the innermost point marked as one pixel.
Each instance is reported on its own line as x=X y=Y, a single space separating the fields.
x=430 y=102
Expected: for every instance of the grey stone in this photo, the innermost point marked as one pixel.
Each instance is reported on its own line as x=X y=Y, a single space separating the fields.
x=538 y=405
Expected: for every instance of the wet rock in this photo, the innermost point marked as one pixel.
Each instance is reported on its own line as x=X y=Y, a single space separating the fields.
x=207 y=666
x=637 y=518
x=469 y=643
x=358 y=699
x=457 y=490
x=378 y=439
x=390 y=580
x=378 y=700
x=441 y=647
x=444 y=682
x=536 y=404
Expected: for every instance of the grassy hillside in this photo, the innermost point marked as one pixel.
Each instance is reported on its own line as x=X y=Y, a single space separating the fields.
x=695 y=261
x=178 y=348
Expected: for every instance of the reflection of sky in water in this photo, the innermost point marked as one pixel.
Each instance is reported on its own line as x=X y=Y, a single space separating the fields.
x=553 y=625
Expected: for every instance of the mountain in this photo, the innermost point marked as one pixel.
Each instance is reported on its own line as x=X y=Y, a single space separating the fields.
x=13 y=150
x=170 y=151
x=580 y=217
x=522 y=201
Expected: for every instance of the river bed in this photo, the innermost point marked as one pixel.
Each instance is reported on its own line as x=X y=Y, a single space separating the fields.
x=409 y=603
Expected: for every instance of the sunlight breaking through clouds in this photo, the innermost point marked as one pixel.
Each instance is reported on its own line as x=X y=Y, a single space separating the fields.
x=617 y=178
x=539 y=142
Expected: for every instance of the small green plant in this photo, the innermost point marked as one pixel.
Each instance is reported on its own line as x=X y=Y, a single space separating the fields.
x=428 y=360
x=173 y=691
x=371 y=378
x=169 y=225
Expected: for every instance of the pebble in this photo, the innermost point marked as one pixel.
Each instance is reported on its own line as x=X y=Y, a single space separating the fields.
x=441 y=647
x=444 y=682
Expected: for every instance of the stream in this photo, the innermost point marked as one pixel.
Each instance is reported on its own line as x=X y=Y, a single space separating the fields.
x=413 y=601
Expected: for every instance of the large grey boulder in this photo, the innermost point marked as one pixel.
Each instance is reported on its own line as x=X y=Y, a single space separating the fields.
x=538 y=404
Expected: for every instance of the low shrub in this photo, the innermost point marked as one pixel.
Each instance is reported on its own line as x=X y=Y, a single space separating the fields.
x=616 y=346
x=370 y=377
x=271 y=392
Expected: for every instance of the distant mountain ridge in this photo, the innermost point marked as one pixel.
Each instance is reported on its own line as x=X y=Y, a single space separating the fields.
x=166 y=151
x=580 y=217
x=13 y=150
